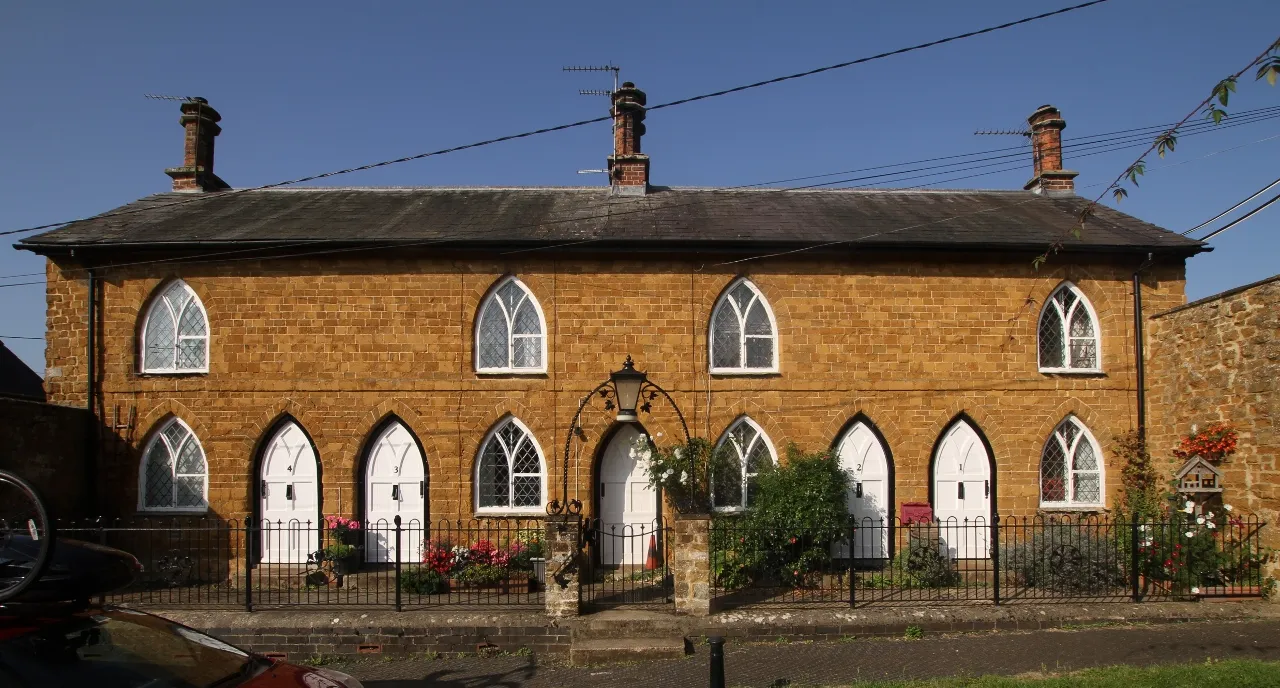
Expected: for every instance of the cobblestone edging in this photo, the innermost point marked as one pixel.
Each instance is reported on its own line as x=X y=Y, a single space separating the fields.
x=348 y=634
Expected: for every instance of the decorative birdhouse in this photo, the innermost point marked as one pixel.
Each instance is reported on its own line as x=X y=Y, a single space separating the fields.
x=1198 y=476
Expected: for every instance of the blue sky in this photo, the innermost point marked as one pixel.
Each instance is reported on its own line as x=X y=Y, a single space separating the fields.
x=309 y=87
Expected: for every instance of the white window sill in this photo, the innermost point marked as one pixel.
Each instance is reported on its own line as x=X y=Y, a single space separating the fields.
x=1072 y=371
x=1072 y=508
x=744 y=371
x=203 y=371
x=728 y=510
x=539 y=513
x=512 y=371
x=201 y=511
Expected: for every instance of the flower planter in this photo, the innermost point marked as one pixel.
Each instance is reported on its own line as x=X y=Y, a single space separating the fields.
x=346 y=565
x=539 y=569
x=351 y=537
x=505 y=586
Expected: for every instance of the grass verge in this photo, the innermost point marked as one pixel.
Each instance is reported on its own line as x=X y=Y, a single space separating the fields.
x=1210 y=674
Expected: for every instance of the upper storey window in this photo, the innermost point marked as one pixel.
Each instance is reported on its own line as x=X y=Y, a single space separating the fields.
x=1069 y=333
x=175 y=335
x=744 y=335
x=510 y=332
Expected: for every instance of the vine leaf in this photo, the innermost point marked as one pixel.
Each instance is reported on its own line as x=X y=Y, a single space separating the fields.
x=1269 y=70
x=1224 y=89
x=1166 y=143
x=1119 y=194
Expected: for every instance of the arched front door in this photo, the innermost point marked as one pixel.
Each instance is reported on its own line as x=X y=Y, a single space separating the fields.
x=628 y=504
x=865 y=459
x=962 y=491
x=290 y=505
x=395 y=484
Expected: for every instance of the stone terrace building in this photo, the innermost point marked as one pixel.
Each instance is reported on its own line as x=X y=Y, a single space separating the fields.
x=345 y=344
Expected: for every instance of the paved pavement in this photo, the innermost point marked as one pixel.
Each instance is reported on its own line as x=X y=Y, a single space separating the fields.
x=806 y=664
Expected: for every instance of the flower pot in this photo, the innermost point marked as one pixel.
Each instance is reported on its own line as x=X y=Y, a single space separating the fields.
x=351 y=537
x=505 y=586
x=539 y=569
x=346 y=565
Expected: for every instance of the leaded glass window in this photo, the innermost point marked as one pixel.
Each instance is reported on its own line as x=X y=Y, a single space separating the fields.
x=175 y=336
x=173 y=475
x=1068 y=332
x=752 y=451
x=510 y=474
x=743 y=333
x=1071 y=467
x=510 y=332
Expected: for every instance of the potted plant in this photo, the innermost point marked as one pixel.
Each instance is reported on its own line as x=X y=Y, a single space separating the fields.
x=344 y=558
x=344 y=530
x=526 y=554
x=683 y=471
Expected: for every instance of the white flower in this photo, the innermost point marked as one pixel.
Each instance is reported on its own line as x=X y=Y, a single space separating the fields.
x=1211 y=526
x=1189 y=509
x=1209 y=515
x=1190 y=533
x=1228 y=507
x=1195 y=591
x=1189 y=504
x=1142 y=527
x=1200 y=520
x=668 y=474
x=659 y=434
x=684 y=477
x=676 y=453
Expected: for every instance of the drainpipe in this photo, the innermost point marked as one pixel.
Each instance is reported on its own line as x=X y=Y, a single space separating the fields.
x=91 y=422
x=1138 y=349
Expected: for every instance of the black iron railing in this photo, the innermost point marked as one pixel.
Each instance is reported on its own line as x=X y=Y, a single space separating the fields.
x=193 y=562
x=1038 y=559
x=626 y=565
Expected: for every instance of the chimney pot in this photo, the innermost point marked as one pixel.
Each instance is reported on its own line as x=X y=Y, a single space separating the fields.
x=628 y=167
x=1046 y=153
x=200 y=122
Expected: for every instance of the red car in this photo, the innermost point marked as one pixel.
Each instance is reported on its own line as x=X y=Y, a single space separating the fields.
x=107 y=647
x=52 y=637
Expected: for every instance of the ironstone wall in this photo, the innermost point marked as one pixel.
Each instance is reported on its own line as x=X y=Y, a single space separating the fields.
x=910 y=340
x=1218 y=359
x=45 y=443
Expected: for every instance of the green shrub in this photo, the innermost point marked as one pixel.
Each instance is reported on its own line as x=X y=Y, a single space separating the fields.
x=924 y=564
x=1068 y=558
x=683 y=472
x=481 y=574
x=339 y=551
x=797 y=512
x=423 y=581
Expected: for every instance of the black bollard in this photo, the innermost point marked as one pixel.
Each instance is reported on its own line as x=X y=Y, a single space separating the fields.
x=717 y=661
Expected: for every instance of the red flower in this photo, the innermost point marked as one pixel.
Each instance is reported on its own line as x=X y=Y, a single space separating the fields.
x=793 y=540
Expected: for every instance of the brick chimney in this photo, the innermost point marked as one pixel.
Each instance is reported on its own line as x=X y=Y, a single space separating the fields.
x=1046 y=152
x=201 y=124
x=628 y=167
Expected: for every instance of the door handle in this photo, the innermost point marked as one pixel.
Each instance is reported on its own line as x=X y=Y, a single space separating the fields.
x=986 y=488
x=395 y=492
x=288 y=492
x=264 y=488
x=422 y=488
x=857 y=490
x=960 y=491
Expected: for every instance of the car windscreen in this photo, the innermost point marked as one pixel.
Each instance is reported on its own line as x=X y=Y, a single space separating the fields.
x=120 y=649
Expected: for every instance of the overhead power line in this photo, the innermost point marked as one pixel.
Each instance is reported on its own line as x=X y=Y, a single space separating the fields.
x=867 y=181
x=1240 y=219
x=571 y=125
x=10 y=336
x=1255 y=194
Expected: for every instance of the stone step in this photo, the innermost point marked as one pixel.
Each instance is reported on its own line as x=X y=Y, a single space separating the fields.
x=613 y=650
x=622 y=624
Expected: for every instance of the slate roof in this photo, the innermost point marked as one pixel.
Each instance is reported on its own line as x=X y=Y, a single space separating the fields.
x=666 y=217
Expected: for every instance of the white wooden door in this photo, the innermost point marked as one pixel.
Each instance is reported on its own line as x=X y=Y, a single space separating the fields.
x=628 y=504
x=962 y=492
x=290 y=498
x=864 y=458
x=395 y=484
